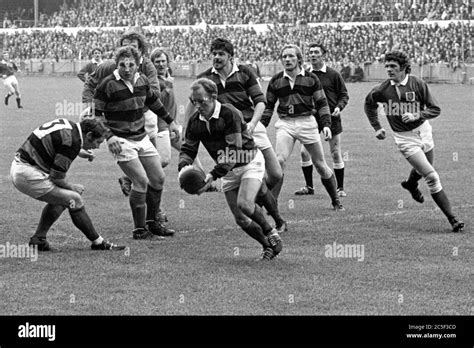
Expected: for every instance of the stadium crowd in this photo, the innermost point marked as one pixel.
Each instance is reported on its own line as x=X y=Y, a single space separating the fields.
x=358 y=44
x=111 y=13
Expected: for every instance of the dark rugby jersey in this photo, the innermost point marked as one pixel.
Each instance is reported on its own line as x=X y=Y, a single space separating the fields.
x=415 y=97
x=52 y=147
x=8 y=68
x=334 y=88
x=168 y=99
x=123 y=109
x=305 y=99
x=241 y=89
x=227 y=140
x=103 y=70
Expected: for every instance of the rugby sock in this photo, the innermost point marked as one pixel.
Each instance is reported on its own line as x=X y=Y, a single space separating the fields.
x=153 y=201
x=48 y=217
x=7 y=97
x=443 y=203
x=18 y=102
x=308 y=175
x=138 y=205
x=339 y=173
x=269 y=202
x=255 y=231
x=330 y=185
x=413 y=178
x=260 y=219
x=82 y=221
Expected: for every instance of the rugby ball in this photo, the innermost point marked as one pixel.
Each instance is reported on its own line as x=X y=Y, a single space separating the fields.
x=191 y=179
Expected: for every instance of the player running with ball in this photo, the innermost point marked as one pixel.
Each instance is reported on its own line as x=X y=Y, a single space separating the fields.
x=240 y=164
x=408 y=105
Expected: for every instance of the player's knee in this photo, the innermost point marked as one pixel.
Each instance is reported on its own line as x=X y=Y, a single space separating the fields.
x=281 y=161
x=165 y=161
x=242 y=220
x=247 y=207
x=306 y=163
x=140 y=183
x=433 y=181
x=74 y=201
x=322 y=168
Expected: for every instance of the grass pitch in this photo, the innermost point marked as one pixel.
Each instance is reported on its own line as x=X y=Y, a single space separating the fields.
x=412 y=264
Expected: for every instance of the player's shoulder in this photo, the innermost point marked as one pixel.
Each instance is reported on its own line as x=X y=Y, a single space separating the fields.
x=277 y=76
x=206 y=73
x=246 y=69
x=230 y=113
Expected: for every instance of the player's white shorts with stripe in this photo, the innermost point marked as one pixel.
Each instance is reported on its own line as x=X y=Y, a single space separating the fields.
x=132 y=149
x=420 y=138
x=303 y=128
x=30 y=180
x=11 y=83
x=151 y=123
x=254 y=170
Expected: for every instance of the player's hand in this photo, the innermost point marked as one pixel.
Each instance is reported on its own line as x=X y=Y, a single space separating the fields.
x=87 y=154
x=380 y=134
x=251 y=126
x=336 y=112
x=409 y=117
x=78 y=188
x=114 y=144
x=208 y=180
x=327 y=133
x=174 y=129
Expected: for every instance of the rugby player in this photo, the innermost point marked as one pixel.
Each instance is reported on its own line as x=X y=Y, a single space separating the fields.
x=299 y=93
x=237 y=85
x=39 y=171
x=92 y=65
x=337 y=97
x=121 y=97
x=7 y=71
x=408 y=105
x=222 y=130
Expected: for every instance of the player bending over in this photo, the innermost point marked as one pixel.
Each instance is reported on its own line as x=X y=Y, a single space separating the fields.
x=39 y=171
x=221 y=129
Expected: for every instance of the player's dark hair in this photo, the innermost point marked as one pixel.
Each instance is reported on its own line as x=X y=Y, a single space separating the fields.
x=135 y=35
x=318 y=44
x=401 y=58
x=127 y=52
x=95 y=126
x=299 y=54
x=222 y=44
x=208 y=85
x=97 y=49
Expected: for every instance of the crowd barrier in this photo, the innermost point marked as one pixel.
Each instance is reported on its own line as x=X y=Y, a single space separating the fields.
x=436 y=73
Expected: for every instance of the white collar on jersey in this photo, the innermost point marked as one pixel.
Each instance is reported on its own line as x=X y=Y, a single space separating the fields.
x=403 y=82
x=217 y=111
x=235 y=68
x=323 y=69
x=288 y=76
